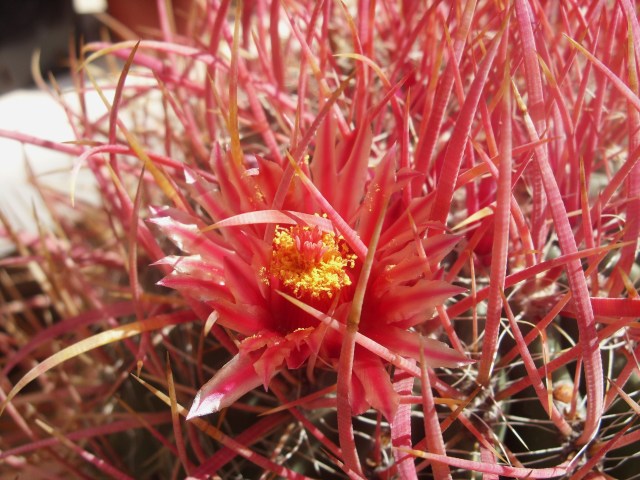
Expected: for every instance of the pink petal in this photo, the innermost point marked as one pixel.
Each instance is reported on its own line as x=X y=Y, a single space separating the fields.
x=402 y=302
x=242 y=318
x=269 y=178
x=354 y=154
x=203 y=290
x=380 y=189
x=205 y=193
x=322 y=336
x=192 y=265
x=357 y=399
x=189 y=239
x=242 y=280
x=262 y=339
x=230 y=383
x=394 y=274
x=300 y=349
x=281 y=217
x=407 y=344
x=377 y=386
x=435 y=248
x=399 y=232
x=270 y=362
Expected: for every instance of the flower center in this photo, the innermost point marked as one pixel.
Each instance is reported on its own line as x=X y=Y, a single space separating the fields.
x=309 y=262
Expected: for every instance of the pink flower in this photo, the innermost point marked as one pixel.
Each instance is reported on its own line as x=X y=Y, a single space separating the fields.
x=260 y=265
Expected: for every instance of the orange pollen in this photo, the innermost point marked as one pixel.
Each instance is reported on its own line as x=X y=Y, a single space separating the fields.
x=310 y=262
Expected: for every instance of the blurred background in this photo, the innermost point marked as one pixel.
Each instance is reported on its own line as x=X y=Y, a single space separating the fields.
x=40 y=34
x=49 y=27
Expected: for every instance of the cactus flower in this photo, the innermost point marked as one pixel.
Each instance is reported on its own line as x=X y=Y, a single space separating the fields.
x=248 y=269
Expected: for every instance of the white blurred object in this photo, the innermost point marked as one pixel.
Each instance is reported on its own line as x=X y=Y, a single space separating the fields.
x=84 y=7
x=35 y=113
x=27 y=26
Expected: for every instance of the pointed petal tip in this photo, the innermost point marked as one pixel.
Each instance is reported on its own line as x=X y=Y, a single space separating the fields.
x=439 y=354
x=202 y=407
x=157 y=210
x=467 y=361
x=189 y=176
x=159 y=220
x=194 y=413
x=231 y=382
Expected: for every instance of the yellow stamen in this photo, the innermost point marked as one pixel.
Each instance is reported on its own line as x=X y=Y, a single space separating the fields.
x=309 y=262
